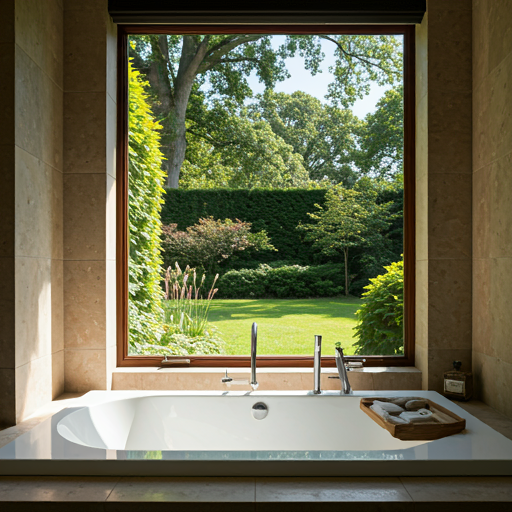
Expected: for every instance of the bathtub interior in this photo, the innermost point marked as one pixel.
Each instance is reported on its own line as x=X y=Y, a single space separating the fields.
x=300 y=427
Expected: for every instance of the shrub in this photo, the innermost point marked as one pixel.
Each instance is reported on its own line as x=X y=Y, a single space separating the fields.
x=210 y=242
x=381 y=317
x=290 y=281
x=145 y=179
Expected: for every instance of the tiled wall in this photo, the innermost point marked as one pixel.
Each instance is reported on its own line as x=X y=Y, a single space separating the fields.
x=31 y=94
x=443 y=189
x=90 y=67
x=492 y=202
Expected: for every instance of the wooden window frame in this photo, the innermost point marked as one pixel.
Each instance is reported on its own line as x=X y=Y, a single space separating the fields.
x=124 y=31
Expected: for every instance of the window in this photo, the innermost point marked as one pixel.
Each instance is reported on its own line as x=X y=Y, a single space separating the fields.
x=252 y=31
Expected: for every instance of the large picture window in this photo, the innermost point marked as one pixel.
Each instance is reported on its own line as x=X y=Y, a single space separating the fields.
x=265 y=174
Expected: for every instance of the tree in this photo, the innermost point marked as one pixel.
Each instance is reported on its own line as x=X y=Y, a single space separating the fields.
x=175 y=65
x=324 y=135
x=382 y=137
x=350 y=218
x=209 y=242
x=145 y=179
x=229 y=149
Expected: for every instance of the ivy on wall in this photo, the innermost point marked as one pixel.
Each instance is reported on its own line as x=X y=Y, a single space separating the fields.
x=145 y=179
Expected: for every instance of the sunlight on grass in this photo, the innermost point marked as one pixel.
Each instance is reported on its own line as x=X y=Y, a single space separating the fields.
x=285 y=327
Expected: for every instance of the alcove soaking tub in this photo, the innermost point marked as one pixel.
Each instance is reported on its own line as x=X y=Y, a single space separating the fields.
x=203 y=434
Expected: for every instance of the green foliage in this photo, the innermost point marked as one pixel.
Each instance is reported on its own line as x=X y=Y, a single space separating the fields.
x=382 y=137
x=381 y=317
x=226 y=148
x=324 y=135
x=210 y=241
x=277 y=212
x=350 y=218
x=145 y=202
x=290 y=281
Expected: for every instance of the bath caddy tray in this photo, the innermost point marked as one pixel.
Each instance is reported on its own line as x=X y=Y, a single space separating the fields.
x=444 y=423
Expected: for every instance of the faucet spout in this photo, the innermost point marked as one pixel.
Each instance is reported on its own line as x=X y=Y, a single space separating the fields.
x=317 y=364
x=254 y=342
x=346 y=389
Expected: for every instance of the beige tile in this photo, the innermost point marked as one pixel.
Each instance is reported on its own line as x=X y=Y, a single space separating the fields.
x=482 y=205
x=421 y=362
x=7 y=99
x=449 y=216
x=111 y=134
x=422 y=60
x=489 y=416
x=84 y=305
x=482 y=307
x=500 y=307
x=7 y=396
x=7 y=313
x=90 y=5
x=452 y=5
x=56 y=488
x=182 y=489
x=126 y=381
x=110 y=306
x=7 y=21
x=57 y=374
x=57 y=303
x=84 y=216
x=33 y=386
x=85 y=370
x=38 y=104
x=85 y=132
x=500 y=225
x=110 y=233
x=450 y=304
x=85 y=51
x=481 y=29
x=422 y=150
x=33 y=309
x=500 y=32
x=440 y=360
x=111 y=59
x=422 y=304
x=422 y=227
x=390 y=380
x=449 y=131
x=459 y=489
x=451 y=25
x=330 y=490
x=492 y=115
x=39 y=29
x=57 y=215
x=34 y=200
x=111 y=364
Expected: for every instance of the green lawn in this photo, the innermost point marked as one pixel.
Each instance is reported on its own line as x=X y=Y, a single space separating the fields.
x=285 y=327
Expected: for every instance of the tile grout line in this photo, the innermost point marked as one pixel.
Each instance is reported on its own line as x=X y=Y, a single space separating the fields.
x=112 y=490
x=405 y=489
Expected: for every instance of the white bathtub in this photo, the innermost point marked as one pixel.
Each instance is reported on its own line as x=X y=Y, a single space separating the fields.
x=158 y=433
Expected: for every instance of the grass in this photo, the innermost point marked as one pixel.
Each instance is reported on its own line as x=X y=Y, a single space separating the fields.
x=285 y=327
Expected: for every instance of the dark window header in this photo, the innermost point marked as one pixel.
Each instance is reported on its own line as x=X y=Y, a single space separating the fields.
x=265 y=11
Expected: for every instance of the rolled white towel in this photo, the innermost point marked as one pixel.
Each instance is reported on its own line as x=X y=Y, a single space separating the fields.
x=395 y=420
x=389 y=407
x=421 y=416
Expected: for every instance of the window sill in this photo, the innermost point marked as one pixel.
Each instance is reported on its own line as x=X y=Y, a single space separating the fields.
x=371 y=378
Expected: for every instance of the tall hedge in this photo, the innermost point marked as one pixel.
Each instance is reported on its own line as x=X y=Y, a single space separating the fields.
x=278 y=212
x=145 y=179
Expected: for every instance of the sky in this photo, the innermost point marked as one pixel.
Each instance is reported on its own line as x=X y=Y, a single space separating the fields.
x=302 y=80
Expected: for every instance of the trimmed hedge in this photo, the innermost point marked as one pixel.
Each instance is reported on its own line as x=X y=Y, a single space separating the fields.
x=278 y=212
x=291 y=281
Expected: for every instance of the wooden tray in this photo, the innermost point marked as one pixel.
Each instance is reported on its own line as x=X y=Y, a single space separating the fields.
x=444 y=422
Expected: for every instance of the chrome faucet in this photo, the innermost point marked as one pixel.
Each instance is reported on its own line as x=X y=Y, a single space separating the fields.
x=346 y=389
x=254 y=340
x=317 y=364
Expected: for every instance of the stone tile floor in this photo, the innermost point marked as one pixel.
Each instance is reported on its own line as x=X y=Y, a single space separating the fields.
x=146 y=494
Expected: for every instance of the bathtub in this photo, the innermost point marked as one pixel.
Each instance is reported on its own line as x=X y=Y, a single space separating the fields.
x=206 y=434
